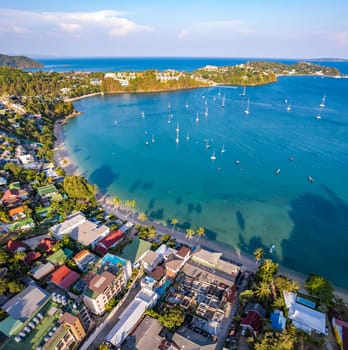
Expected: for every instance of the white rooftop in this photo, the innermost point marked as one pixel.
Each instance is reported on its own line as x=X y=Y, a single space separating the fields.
x=304 y=317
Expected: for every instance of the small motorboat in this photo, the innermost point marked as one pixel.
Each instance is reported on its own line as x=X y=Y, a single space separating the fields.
x=277 y=171
x=237 y=161
x=310 y=179
x=271 y=249
x=291 y=158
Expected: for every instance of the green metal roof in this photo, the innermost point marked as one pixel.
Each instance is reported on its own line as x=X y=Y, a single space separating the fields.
x=9 y=326
x=60 y=256
x=45 y=190
x=135 y=249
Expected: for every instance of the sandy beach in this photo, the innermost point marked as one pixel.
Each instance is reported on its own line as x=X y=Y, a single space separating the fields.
x=247 y=263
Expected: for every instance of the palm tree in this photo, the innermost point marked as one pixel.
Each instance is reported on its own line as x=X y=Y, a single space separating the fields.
x=200 y=232
x=294 y=286
x=128 y=204
x=142 y=217
x=258 y=254
x=133 y=204
x=263 y=291
x=190 y=233
x=174 y=222
x=246 y=295
x=151 y=233
x=116 y=201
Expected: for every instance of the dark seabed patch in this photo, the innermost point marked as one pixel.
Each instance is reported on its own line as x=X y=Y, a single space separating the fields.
x=104 y=177
x=240 y=220
x=319 y=237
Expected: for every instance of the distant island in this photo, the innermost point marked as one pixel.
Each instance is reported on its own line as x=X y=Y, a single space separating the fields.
x=19 y=62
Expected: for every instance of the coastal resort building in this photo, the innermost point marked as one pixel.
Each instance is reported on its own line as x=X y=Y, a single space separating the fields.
x=101 y=289
x=22 y=308
x=278 y=320
x=64 y=277
x=304 y=317
x=42 y=270
x=187 y=339
x=16 y=246
x=147 y=336
x=68 y=334
x=150 y=260
x=60 y=256
x=109 y=241
x=131 y=316
x=17 y=213
x=31 y=257
x=80 y=229
x=46 y=245
x=48 y=191
x=85 y=260
x=341 y=332
x=253 y=320
x=135 y=251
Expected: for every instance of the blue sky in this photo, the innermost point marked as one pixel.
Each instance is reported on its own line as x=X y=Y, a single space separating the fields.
x=225 y=28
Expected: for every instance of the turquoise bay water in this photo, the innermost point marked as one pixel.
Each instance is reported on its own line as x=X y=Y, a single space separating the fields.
x=243 y=205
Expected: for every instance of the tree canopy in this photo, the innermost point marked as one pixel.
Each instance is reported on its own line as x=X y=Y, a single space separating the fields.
x=321 y=288
x=78 y=187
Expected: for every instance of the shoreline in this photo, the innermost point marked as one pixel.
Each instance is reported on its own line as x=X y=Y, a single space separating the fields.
x=63 y=159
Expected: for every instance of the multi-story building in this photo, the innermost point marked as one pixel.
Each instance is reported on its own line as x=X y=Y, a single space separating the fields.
x=68 y=335
x=101 y=289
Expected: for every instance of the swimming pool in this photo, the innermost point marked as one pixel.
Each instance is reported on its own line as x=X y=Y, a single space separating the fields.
x=112 y=260
x=306 y=302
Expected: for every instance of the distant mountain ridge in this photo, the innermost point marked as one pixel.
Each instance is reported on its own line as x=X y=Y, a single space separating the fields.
x=19 y=62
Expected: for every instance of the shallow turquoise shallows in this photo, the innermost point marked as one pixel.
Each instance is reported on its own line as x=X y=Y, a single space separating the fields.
x=282 y=178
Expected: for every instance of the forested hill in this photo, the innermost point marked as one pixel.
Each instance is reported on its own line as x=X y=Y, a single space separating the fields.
x=19 y=62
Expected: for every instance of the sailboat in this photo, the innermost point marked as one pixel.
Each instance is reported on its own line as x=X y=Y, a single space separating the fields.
x=169 y=106
x=223 y=149
x=177 y=127
x=319 y=114
x=223 y=101
x=322 y=105
x=169 y=119
x=288 y=108
x=153 y=139
x=206 y=111
x=187 y=136
x=213 y=157
x=207 y=146
x=197 y=119
x=187 y=105
x=142 y=114
x=219 y=93
x=244 y=91
x=247 y=109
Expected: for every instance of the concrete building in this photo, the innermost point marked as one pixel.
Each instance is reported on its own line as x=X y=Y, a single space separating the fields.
x=80 y=229
x=101 y=289
x=68 y=335
x=131 y=316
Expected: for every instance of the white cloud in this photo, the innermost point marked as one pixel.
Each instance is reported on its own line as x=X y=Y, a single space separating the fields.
x=108 y=22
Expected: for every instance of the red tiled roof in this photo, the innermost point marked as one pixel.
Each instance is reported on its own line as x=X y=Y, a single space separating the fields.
x=46 y=244
x=31 y=256
x=157 y=272
x=252 y=320
x=64 y=277
x=14 y=246
x=184 y=251
x=101 y=250
x=111 y=239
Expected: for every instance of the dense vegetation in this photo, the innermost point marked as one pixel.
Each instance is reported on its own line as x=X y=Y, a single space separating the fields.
x=19 y=62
